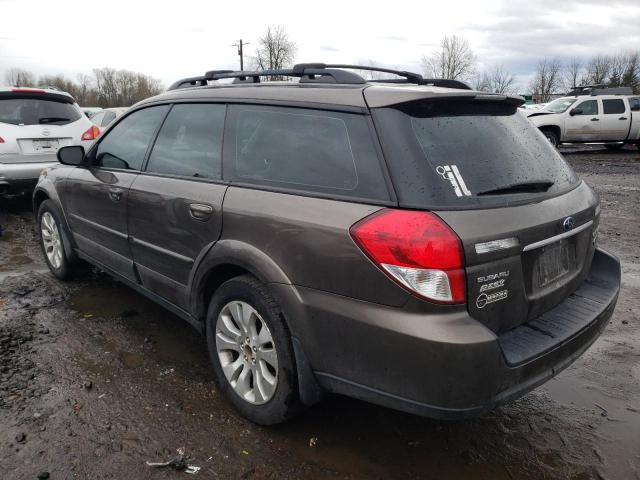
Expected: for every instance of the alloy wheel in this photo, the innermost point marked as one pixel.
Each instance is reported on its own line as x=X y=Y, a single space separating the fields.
x=247 y=352
x=51 y=240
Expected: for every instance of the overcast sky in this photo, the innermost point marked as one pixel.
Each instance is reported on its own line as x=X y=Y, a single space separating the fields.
x=169 y=40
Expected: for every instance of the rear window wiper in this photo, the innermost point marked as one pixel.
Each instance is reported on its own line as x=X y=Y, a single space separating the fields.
x=52 y=119
x=524 y=187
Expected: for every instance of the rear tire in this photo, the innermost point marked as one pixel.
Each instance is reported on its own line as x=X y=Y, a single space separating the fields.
x=251 y=351
x=53 y=235
x=552 y=137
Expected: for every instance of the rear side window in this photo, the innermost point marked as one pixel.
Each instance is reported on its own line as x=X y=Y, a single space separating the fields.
x=613 y=106
x=308 y=150
x=126 y=144
x=190 y=142
x=463 y=154
x=32 y=111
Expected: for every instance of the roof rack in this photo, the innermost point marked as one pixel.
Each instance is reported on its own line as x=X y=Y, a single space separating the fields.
x=318 y=73
x=595 y=90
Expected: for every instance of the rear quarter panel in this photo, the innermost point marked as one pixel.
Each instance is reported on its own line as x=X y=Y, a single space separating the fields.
x=309 y=241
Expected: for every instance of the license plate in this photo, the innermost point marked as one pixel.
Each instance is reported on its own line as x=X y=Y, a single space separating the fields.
x=554 y=262
x=45 y=145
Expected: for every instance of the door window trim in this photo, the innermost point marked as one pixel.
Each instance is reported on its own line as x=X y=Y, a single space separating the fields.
x=94 y=148
x=145 y=163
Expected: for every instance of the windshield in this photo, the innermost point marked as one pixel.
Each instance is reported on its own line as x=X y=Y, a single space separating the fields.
x=559 y=106
x=464 y=154
x=37 y=111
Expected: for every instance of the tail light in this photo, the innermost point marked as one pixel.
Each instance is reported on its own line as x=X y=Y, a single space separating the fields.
x=417 y=250
x=91 y=134
x=1 y=140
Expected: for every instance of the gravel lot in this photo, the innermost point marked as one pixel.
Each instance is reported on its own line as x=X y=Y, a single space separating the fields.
x=95 y=380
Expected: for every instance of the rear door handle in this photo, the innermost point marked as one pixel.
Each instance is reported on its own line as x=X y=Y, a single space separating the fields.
x=115 y=194
x=200 y=211
x=622 y=118
x=595 y=119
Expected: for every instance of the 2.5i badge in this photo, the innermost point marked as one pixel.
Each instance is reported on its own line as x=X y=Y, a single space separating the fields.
x=485 y=298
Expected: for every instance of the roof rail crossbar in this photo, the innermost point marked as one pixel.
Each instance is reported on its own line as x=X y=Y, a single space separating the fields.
x=318 y=73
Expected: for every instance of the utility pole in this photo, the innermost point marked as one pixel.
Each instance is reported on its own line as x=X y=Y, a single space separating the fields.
x=239 y=45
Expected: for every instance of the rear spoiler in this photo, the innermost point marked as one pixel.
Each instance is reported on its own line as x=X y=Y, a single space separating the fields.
x=378 y=96
x=20 y=92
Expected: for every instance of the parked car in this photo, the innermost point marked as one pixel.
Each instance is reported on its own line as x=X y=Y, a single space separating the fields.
x=90 y=111
x=417 y=245
x=105 y=117
x=608 y=116
x=34 y=124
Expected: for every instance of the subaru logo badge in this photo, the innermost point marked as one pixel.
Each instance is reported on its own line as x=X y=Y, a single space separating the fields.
x=567 y=224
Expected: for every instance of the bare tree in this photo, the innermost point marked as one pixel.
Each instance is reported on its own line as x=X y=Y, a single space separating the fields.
x=598 y=69
x=572 y=73
x=275 y=49
x=547 y=79
x=123 y=88
x=18 y=77
x=631 y=76
x=454 y=60
x=497 y=80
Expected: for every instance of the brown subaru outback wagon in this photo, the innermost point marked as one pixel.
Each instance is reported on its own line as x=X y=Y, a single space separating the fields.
x=408 y=242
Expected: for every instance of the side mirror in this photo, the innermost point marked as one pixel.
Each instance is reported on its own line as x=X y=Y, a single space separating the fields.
x=635 y=107
x=575 y=111
x=71 y=155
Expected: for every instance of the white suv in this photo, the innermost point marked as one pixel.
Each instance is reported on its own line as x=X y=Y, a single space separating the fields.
x=34 y=124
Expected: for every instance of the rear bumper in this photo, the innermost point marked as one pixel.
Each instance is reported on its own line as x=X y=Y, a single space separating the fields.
x=446 y=365
x=16 y=176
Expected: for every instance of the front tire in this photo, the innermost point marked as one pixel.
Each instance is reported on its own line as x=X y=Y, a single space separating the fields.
x=251 y=351
x=53 y=241
x=552 y=137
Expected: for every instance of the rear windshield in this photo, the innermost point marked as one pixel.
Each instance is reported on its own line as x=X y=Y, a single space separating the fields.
x=458 y=154
x=37 y=111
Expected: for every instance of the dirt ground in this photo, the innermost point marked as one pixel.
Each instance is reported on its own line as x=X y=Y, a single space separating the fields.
x=95 y=380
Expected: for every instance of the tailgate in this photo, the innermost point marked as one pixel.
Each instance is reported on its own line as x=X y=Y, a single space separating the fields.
x=522 y=261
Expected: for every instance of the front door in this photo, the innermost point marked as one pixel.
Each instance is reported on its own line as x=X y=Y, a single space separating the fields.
x=175 y=204
x=584 y=126
x=96 y=196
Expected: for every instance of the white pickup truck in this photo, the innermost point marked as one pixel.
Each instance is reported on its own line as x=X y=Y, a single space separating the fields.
x=603 y=116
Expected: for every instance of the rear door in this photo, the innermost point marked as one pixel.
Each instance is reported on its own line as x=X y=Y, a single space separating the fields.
x=616 y=119
x=95 y=198
x=525 y=220
x=584 y=125
x=175 y=205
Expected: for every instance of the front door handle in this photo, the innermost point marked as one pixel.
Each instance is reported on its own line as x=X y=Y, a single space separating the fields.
x=115 y=194
x=595 y=119
x=200 y=211
x=622 y=118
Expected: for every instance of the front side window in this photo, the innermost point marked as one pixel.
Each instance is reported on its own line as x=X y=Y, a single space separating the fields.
x=190 y=142
x=125 y=146
x=309 y=150
x=613 y=106
x=589 y=107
